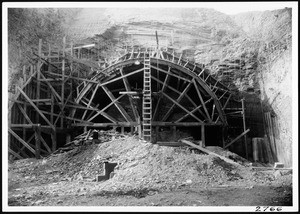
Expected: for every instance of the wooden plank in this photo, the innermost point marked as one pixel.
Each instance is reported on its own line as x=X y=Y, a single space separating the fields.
x=70 y=118
x=271 y=134
x=178 y=92
x=268 y=148
x=213 y=112
x=201 y=99
x=14 y=153
x=49 y=57
x=128 y=89
x=122 y=77
x=21 y=140
x=238 y=137
x=24 y=113
x=106 y=107
x=52 y=89
x=178 y=100
x=33 y=146
x=227 y=101
x=154 y=123
x=244 y=126
x=38 y=87
x=21 y=125
x=53 y=139
x=197 y=108
x=35 y=107
x=45 y=144
x=63 y=81
x=174 y=101
x=125 y=124
x=72 y=77
x=40 y=100
x=62 y=110
x=166 y=81
x=37 y=135
x=203 y=135
x=255 y=149
x=90 y=101
x=92 y=112
x=24 y=121
x=119 y=107
x=171 y=74
x=52 y=109
x=209 y=152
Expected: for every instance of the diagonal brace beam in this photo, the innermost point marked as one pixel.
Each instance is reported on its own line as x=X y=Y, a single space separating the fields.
x=119 y=107
x=36 y=108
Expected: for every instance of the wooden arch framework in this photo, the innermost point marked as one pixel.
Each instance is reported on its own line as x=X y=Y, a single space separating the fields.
x=144 y=89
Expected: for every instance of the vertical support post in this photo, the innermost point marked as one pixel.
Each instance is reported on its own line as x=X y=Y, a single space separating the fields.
x=174 y=132
x=255 y=149
x=53 y=138
x=38 y=87
x=24 y=74
x=223 y=136
x=24 y=122
x=49 y=59
x=38 y=141
x=122 y=129
x=52 y=108
x=203 y=135
x=131 y=130
x=68 y=138
x=63 y=81
x=156 y=133
x=244 y=126
x=139 y=127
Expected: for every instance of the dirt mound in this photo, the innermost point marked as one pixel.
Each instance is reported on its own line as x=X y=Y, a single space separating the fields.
x=141 y=167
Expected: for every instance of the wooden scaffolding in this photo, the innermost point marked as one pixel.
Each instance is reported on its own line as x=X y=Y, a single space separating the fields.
x=67 y=88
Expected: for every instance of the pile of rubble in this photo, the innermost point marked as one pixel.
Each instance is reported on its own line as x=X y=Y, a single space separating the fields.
x=141 y=165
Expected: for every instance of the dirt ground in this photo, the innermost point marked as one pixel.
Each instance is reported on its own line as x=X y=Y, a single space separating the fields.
x=146 y=175
x=268 y=195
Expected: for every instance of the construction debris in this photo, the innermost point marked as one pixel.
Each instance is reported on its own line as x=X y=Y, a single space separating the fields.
x=140 y=165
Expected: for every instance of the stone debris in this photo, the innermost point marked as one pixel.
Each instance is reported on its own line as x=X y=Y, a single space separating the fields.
x=142 y=167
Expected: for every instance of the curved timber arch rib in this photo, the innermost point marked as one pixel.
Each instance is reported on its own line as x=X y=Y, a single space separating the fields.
x=181 y=92
x=64 y=90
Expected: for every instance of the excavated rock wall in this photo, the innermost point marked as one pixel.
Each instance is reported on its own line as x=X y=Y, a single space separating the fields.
x=233 y=47
x=272 y=30
x=277 y=88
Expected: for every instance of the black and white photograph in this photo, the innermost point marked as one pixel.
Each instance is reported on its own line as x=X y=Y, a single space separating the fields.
x=150 y=106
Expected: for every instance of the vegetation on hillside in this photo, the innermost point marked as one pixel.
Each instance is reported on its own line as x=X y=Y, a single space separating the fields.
x=26 y=26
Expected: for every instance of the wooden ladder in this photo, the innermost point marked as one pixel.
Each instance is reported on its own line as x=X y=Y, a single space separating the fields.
x=147 y=102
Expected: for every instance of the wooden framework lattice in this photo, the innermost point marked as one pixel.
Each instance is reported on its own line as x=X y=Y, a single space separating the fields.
x=63 y=90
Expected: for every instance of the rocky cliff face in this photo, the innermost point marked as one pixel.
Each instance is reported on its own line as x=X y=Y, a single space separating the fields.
x=249 y=51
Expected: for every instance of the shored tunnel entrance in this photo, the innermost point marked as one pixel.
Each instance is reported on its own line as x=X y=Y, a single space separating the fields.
x=154 y=92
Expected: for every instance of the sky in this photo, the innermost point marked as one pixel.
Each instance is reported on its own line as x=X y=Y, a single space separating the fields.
x=229 y=8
